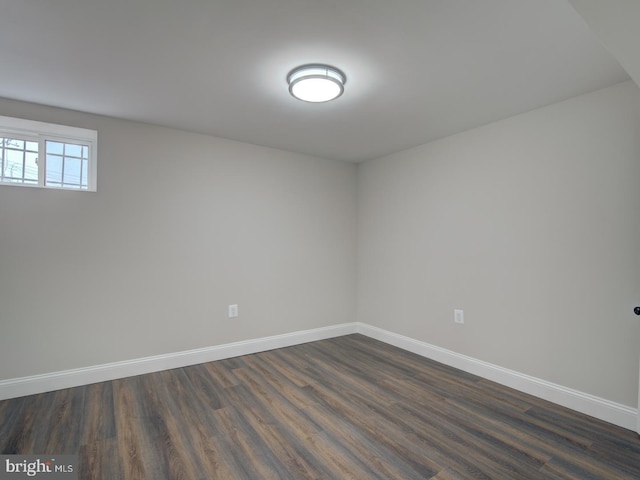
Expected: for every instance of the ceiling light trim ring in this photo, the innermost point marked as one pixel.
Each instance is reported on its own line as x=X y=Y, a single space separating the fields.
x=316 y=71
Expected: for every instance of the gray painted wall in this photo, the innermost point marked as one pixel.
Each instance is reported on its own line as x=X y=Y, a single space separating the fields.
x=529 y=224
x=532 y=226
x=615 y=22
x=181 y=226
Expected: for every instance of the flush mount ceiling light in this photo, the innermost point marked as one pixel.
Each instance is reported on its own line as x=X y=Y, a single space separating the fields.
x=316 y=83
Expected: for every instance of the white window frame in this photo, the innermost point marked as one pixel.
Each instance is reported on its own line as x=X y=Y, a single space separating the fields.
x=40 y=132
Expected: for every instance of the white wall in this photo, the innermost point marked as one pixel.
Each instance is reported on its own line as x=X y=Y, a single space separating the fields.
x=615 y=22
x=532 y=226
x=181 y=226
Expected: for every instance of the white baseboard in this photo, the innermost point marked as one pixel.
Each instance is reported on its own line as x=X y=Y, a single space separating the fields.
x=19 y=387
x=597 y=407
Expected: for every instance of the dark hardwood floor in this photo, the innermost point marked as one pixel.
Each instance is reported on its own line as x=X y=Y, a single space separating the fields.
x=344 y=408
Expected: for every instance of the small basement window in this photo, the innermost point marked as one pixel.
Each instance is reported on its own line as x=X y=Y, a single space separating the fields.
x=47 y=155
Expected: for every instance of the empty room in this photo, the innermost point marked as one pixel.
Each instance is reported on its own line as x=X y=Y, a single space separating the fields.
x=303 y=239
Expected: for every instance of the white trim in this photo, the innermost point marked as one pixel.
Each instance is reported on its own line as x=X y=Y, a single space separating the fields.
x=42 y=131
x=597 y=407
x=28 y=127
x=19 y=387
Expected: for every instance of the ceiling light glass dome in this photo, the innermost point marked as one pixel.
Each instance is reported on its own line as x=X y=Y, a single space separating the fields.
x=316 y=83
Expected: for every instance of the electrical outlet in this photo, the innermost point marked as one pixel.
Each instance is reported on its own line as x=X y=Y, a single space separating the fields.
x=458 y=316
x=233 y=311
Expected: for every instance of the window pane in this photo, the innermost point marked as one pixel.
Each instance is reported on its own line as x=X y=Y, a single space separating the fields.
x=14 y=156
x=71 y=150
x=54 y=147
x=14 y=143
x=68 y=154
x=54 y=169
x=72 y=171
x=31 y=166
x=13 y=166
x=18 y=165
x=85 y=170
x=65 y=164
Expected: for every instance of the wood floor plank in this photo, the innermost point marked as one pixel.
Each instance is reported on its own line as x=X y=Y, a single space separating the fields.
x=448 y=474
x=205 y=386
x=167 y=428
x=98 y=413
x=290 y=368
x=221 y=373
x=211 y=447
x=342 y=463
x=253 y=456
x=10 y=429
x=279 y=378
x=467 y=452
x=393 y=458
x=31 y=431
x=129 y=428
x=624 y=455
x=343 y=408
x=287 y=440
x=100 y=460
x=65 y=425
x=584 y=468
x=360 y=414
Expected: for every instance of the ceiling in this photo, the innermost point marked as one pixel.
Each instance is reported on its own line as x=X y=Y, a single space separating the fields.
x=615 y=23
x=416 y=70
